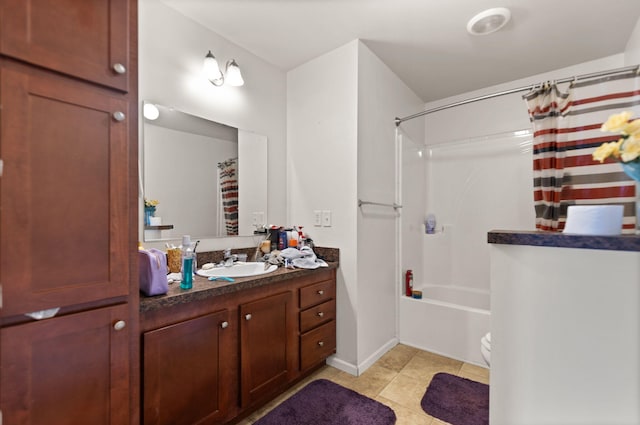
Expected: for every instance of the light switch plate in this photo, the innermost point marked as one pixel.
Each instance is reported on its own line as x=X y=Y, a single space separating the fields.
x=317 y=218
x=326 y=218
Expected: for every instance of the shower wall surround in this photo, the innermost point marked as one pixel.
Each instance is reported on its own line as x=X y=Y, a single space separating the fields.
x=474 y=185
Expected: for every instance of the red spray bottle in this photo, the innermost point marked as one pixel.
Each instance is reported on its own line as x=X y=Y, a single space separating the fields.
x=408 y=283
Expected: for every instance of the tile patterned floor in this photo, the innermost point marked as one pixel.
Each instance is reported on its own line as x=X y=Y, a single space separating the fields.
x=399 y=380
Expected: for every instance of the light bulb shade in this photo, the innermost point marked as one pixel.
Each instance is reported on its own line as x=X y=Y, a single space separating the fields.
x=150 y=111
x=234 y=77
x=212 y=70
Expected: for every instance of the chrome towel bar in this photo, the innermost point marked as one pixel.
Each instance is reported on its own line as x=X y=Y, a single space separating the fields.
x=394 y=205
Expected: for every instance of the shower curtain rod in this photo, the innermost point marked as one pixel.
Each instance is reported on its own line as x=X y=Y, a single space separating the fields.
x=635 y=68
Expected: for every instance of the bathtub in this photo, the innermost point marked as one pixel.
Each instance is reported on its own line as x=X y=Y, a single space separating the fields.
x=448 y=320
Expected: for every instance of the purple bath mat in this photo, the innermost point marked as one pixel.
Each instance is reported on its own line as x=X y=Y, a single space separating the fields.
x=323 y=402
x=457 y=400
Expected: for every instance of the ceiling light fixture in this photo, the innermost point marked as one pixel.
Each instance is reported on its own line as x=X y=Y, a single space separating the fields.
x=489 y=21
x=216 y=77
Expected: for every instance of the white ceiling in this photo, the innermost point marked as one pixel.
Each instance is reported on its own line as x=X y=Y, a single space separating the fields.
x=425 y=41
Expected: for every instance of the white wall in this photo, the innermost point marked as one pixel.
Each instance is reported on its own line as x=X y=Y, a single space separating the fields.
x=500 y=114
x=252 y=148
x=340 y=147
x=171 y=51
x=321 y=165
x=564 y=346
x=381 y=97
x=632 y=51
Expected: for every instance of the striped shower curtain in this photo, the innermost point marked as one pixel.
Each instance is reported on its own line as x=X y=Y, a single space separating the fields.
x=566 y=124
x=228 y=171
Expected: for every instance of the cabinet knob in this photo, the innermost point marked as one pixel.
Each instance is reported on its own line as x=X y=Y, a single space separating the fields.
x=321 y=292
x=119 y=325
x=118 y=116
x=224 y=325
x=247 y=316
x=320 y=314
x=119 y=68
x=321 y=343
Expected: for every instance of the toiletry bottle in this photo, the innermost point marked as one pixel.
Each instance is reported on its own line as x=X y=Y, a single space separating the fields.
x=408 y=281
x=187 y=263
x=274 y=233
x=282 y=239
x=430 y=224
x=300 y=238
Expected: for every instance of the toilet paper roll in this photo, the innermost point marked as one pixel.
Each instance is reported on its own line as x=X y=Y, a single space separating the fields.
x=155 y=221
x=595 y=220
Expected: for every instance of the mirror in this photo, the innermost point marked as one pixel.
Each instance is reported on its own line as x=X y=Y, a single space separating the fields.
x=209 y=179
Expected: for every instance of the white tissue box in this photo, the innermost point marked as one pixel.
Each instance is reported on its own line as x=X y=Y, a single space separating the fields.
x=155 y=221
x=595 y=220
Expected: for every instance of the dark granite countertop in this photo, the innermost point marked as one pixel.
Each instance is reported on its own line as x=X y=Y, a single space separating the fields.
x=203 y=288
x=561 y=240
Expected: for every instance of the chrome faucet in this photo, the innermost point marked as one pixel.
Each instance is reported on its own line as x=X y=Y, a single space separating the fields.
x=229 y=258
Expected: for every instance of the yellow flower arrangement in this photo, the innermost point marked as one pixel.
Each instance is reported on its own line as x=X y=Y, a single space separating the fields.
x=627 y=148
x=149 y=203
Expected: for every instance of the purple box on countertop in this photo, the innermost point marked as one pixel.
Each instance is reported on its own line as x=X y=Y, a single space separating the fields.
x=153 y=272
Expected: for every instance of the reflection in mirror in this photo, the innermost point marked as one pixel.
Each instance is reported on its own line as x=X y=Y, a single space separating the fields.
x=210 y=179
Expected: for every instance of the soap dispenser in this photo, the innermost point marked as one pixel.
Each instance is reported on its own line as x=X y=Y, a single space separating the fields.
x=188 y=261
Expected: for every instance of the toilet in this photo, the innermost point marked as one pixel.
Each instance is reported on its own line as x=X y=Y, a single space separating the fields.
x=485 y=348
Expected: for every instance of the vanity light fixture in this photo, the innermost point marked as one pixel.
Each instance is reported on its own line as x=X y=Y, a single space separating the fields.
x=150 y=111
x=489 y=21
x=213 y=73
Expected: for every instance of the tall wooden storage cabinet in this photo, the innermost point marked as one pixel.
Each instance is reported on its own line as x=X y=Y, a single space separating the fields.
x=68 y=212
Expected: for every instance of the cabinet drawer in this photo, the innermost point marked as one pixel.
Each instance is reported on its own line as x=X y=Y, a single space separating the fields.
x=317 y=293
x=318 y=344
x=317 y=315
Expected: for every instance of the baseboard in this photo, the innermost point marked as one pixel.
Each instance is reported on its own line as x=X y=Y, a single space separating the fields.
x=347 y=367
x=362 y=367
x=357 y=370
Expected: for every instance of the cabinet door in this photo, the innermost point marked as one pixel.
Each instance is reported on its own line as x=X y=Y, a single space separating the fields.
x=67 y=370
x=85 y=39
x=63 y=192
x=267 y=335
x=183 y=369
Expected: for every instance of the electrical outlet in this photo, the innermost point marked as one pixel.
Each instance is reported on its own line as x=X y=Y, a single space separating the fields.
x=317 y=218
x=326 y=218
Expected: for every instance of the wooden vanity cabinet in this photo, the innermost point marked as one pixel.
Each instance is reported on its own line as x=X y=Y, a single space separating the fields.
x=317 y=322
x=85 y=39
x=69 y=217
x=267 y=333
x=70 y=370
x=255 y=358
x=182 y=368
x=65 y=188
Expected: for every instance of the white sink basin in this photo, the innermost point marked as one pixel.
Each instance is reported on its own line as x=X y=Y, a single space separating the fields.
x=239 y=269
